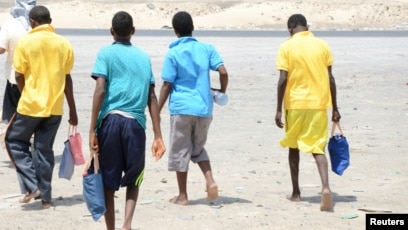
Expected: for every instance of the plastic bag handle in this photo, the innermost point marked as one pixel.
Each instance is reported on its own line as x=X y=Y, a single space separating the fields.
x=72 y=130
x=333 y=128
x=95 y=158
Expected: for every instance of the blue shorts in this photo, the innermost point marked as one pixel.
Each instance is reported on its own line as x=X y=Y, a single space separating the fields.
x=122 y=143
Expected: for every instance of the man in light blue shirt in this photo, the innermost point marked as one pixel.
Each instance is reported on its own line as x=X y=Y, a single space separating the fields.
x=186 y=76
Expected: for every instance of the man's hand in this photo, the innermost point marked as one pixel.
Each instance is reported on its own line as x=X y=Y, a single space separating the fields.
x=73 y=118
x=93 y=143
x=278 y=120
x=158 y=148
x=336 y=116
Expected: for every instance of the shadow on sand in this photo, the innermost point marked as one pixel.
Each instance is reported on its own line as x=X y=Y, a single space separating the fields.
x=35 y=205
x=221 y=200
x=336 y=199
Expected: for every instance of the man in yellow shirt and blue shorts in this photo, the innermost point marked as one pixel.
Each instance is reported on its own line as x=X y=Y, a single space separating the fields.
x=306 y=88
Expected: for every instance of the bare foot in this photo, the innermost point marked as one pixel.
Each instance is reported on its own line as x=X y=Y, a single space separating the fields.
x=293 y=197
x=45 y=204
x=178 y=200
x=212 y=192
x=327 y=203
x=27 y=198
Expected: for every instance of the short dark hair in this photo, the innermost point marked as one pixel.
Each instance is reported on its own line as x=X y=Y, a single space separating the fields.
x=183 y=23
x=122 y=24
x=296 y=20
x=40 y=14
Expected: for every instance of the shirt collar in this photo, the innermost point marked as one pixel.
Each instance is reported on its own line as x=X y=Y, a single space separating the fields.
x=303 y=34
x=182 y=40
x=123 y=42
x=44 y=27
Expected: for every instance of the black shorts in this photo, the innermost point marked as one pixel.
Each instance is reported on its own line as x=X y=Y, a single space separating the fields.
x=122 y=144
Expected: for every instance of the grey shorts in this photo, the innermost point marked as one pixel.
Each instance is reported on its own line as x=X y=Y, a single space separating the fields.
x=188 y=135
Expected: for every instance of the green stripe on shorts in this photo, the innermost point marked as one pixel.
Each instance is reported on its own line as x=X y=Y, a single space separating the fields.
x=139 y=179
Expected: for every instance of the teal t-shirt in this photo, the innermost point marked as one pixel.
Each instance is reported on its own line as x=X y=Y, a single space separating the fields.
x=128 y=73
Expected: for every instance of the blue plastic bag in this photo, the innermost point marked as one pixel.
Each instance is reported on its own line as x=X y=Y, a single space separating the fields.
x=338 y=151
x=93 y=190
x=67 y=164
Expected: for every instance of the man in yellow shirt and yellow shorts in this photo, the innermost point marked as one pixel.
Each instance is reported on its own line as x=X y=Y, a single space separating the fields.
x=306 y=88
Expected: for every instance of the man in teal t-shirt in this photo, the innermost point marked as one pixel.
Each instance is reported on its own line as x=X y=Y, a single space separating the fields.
x=124 y=88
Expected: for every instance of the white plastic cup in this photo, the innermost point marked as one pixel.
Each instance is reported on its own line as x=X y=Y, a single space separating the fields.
x=219 y=97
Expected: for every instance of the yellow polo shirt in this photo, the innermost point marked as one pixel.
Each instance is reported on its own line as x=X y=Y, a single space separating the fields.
x=44 y=58
x=306 y=59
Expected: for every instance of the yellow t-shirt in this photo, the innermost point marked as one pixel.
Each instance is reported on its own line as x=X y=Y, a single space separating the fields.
x=44 y=58
x=306 y=59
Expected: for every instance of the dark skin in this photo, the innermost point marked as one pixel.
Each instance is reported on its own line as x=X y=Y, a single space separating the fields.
x=293 y=157
x=166 y=87
x=158 y=148
x=69 y=94
x=205 y=166
x=68 y=90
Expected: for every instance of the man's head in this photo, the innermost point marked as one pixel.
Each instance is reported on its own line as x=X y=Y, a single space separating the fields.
x=297 y=23
x=22 y=8
x=122 y=25
x=39 y=15
x=183 y=24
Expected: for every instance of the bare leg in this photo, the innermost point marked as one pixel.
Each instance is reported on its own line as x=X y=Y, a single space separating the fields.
x=294 y=174
x=110 y=209
x=132 y=192
x=212 y=188
x=182 y=198
x=321 y=161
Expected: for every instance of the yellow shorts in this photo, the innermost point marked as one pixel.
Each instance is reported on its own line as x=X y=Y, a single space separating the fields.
x=306 y=130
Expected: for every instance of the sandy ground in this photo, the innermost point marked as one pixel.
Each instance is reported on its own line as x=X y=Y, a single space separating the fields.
x=227 y=14
x=249 y=165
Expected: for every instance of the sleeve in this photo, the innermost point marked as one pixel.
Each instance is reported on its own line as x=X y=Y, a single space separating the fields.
x=70 y=60
x=100 y=68
x=329 y=56
x=215 y=59
x=152 y=80
x=169 y=70
x=282 y=60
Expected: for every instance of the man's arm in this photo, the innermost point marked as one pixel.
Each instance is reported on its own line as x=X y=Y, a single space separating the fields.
x=164 y=94
x=158 y=147
x=333 y=91
x=98 y=96
x=2 y=50
x=283 y=79
x=69 y=94
x=20 y=80
x=222 y=71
